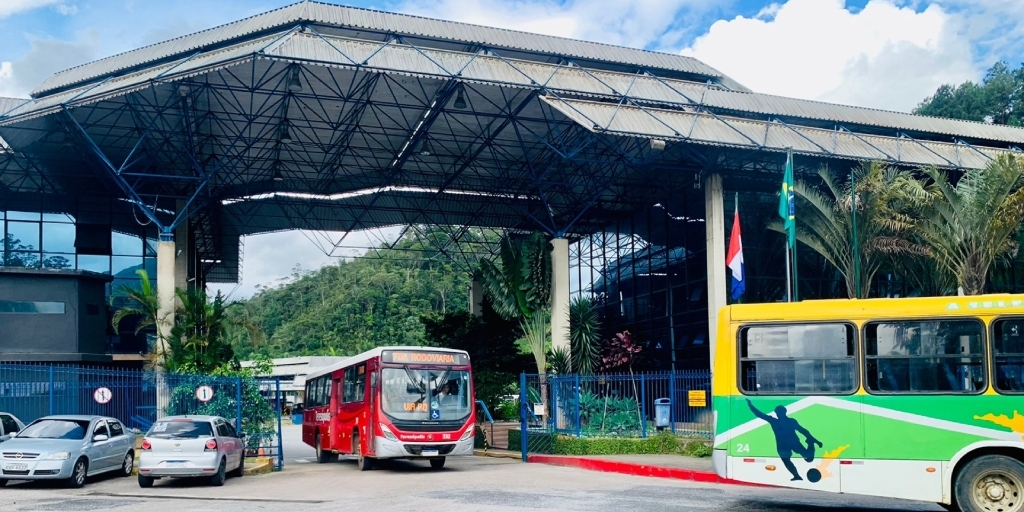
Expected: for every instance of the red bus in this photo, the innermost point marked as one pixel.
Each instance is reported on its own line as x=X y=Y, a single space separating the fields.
x=392 y=403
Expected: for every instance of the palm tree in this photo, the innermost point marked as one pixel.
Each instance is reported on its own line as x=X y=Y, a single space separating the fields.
x=144 y=303
x=973 y=223
x=520 y=289
x=886 y=199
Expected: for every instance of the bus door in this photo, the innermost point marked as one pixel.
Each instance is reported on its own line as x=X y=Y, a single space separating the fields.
x=371 y=413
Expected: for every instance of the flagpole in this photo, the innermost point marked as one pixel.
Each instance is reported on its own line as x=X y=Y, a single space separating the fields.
x=736 y=208
x=796 y=278
x=789 y=283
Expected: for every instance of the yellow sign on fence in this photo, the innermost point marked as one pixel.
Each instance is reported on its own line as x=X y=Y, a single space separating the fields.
x=697 y=398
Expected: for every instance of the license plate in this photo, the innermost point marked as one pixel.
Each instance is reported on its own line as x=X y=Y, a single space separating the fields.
x=16 y=467
x=175 y=463
x=430 y=453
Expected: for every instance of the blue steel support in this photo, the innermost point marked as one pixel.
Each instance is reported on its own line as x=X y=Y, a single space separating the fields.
x=238 y=399
x=643 y=402
x=578 y=392
x=672 y=400
x=553 y=415
x=51 y=391
x=280 y=444
x=522 y=417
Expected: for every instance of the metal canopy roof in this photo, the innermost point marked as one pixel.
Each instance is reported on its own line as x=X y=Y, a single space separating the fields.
x=313 y=117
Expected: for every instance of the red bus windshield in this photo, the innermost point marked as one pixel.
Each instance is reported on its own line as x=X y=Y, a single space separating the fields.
x=409 y=394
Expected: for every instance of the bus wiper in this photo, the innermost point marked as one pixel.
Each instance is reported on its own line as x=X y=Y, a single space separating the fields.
x=413 y=380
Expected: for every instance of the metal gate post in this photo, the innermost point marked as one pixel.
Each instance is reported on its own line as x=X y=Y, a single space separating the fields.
x=280 y=443
x=578 y=393
x=672 y=400
x=523 y=440
x=643 y=402
x=51 y=390
x=238 y=398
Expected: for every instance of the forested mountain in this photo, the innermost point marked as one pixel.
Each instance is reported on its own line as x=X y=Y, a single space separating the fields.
x=354 y=305
x=998 y=99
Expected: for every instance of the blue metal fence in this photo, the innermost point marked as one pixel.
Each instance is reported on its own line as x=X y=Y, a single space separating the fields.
x=137 y=398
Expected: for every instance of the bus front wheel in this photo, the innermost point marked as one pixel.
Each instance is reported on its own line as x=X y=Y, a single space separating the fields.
x=991 y=482
x=363 y=462
x=437 y=463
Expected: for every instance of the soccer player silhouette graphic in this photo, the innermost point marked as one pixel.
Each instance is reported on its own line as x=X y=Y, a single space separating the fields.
x=787 y=442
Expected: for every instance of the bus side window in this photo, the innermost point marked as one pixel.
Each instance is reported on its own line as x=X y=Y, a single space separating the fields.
x=925 y=356
x=812 y=358
x=1008 y=352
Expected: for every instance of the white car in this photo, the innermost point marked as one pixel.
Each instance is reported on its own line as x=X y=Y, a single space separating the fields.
x=191 y=446
x=9 y=425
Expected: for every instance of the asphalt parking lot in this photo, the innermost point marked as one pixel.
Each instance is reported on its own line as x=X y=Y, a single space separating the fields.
x=469 y=483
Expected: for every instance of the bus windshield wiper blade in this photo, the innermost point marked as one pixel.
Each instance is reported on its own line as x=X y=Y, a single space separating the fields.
x=413 y=380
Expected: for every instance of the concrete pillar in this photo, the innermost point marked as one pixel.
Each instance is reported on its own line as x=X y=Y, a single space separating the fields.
x=165 y=282
x=476 y=298
x=714 y=223
x=183 y=256
x=560 y=293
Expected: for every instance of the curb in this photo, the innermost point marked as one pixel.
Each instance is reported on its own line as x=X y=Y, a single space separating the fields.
x=498 y=454
x=628 y=468
x=259 y=467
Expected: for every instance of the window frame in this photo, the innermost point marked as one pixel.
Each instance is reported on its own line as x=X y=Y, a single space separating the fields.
x=991 y=347
x=111 y=425
x=856 y=357
x=984 y=355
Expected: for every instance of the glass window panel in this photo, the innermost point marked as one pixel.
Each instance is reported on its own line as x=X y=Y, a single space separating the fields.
x=22 y=259
x=24 y=235
x=99 y=264
x=23 y=216
x=126 y=245
x=925 y=357
x=125 y=266
x=151 y=247
x=1008 y=348
x=58 y=237
x=58 y=217
x=924 y=338
x=37 y=307
x=56 y=260
x=798 y=359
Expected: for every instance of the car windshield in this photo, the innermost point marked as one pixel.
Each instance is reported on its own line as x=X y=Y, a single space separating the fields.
x=181 y=429
x=56 y=429
x=425 y=395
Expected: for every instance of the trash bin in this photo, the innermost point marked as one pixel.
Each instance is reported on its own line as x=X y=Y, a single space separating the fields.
x=662 y=412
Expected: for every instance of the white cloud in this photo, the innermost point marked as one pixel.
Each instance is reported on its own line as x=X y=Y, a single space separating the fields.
x=883 y=56
x=9 y=7
x=635 y=23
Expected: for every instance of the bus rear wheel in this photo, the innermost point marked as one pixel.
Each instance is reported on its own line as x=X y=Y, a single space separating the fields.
x=363 y=462
x=991 y=482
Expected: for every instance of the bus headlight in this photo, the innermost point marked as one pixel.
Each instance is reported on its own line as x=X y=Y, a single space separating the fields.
x=388 y=434
x=467 y=434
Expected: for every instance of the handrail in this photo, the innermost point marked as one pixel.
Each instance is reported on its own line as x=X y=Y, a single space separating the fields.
x=490 y=419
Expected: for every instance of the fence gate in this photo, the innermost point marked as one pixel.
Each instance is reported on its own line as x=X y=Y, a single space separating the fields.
x=138 y=398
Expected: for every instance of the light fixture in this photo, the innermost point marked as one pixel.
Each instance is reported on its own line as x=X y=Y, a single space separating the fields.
x=286 y=138
x=460 y=99
x=294 y=85
x=657 y=144
x=425 y=147
x=277 y=171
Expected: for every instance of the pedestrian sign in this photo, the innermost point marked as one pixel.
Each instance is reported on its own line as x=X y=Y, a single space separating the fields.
x=102 y=395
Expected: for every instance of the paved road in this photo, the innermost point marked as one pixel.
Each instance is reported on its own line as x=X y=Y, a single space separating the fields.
x=470 y=483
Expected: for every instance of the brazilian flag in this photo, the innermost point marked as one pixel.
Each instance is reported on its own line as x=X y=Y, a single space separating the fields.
x=787 y=203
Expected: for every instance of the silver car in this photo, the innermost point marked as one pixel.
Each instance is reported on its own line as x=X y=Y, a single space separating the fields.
x=9 y=425
x=191 y=446
x=68 y=448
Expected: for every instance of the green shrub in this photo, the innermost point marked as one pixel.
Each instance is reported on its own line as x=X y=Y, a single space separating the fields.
x=656 y=444
x=507 y=410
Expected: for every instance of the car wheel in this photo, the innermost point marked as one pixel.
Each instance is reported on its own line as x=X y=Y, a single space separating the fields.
x=217 y=480
x=437 y=463
x=78 y=474
x=991 y=482
x=363 y=462
x=145 y=481
x=239 y=471
x=128 y=465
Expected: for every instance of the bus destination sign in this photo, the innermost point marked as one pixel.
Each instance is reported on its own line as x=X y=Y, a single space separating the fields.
x=423 y=357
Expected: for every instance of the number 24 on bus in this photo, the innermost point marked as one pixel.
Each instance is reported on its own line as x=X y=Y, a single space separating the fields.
x=392 y=403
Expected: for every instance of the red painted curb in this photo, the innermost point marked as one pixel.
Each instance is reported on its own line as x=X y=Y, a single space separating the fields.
x=629 y=468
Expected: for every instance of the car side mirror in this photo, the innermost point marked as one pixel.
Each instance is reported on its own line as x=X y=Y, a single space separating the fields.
x=99 y=437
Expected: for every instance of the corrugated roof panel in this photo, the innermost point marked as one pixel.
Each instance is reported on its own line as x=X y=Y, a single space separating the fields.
x=380 y=22
x=8 y=104
x=710 y=129
x=633 y=120
x=853 y=147
x=911 y=151
x=780 y=136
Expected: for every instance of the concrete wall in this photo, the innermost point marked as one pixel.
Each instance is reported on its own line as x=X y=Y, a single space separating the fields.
x=77 y=334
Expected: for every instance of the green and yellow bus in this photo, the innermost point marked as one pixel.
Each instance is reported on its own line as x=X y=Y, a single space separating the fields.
x=918 y=398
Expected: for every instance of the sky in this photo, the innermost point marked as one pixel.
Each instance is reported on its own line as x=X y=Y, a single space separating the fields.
x=886 y=54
